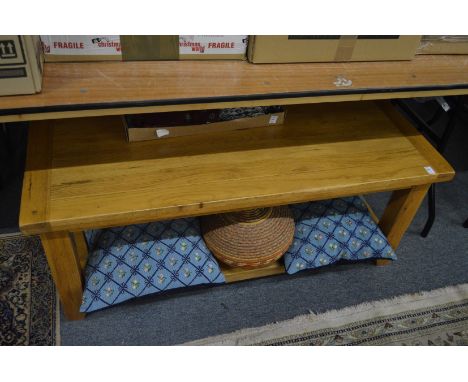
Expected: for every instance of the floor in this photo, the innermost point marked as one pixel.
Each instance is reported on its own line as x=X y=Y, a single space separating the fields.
x=178 y=316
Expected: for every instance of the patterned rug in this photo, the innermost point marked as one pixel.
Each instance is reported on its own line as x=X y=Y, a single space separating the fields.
x=29 y=309
x=439 y=317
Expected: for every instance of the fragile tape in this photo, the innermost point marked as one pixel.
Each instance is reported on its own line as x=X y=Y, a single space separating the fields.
x=345 y=49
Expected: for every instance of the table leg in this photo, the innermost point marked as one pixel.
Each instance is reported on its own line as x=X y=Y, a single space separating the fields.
x=81 y=248
x=64 y=263
x=399 y=214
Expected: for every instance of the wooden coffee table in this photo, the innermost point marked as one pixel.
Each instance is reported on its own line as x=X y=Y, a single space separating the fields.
x=81 y=173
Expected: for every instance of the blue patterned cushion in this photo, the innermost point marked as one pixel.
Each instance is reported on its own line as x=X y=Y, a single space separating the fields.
x=137 y=260
x=331 y=230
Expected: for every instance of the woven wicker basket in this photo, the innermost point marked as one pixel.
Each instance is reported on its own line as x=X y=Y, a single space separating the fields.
x=249 y=239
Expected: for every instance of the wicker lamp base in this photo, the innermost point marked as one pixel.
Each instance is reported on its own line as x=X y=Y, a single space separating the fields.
x=249 y=239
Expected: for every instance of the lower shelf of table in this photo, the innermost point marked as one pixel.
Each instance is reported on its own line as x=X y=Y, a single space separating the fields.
x=232 y=274
x=239 y=274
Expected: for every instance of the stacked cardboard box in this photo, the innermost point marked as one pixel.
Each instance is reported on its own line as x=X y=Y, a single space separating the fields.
x=280 y=49
x=443 y=45
x=21 y=63
x=135 y=48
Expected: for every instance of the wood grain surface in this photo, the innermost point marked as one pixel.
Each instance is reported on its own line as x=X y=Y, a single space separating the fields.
x=65 y=268
x=104 y=88
x=97 y=179
x=400 y=212
x=233 y=274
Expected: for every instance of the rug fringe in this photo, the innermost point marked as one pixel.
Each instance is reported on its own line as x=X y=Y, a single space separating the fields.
x=10 y=235
x=460 y=291
x=339 y=317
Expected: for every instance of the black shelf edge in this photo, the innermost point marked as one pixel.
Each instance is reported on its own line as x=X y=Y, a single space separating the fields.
x=234 y=98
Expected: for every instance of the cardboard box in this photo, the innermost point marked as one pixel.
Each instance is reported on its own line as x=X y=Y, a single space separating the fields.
x=81 y=48
x=141 y=48
x=280 y=49
x=443 y=45
x=21 y=63
x=142 y=127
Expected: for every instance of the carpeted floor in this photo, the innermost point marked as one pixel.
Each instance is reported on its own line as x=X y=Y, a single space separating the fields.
x=29 y=313
x=438 y=317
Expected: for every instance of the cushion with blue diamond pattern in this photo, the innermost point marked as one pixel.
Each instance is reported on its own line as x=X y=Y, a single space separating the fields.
x=136 y=260
x=331 y=230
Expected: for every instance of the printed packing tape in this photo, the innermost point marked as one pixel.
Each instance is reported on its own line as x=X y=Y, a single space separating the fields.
x=345 y=48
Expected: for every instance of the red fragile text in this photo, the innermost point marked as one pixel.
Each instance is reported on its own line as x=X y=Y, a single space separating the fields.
x=68 y=45
x=218 y=45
